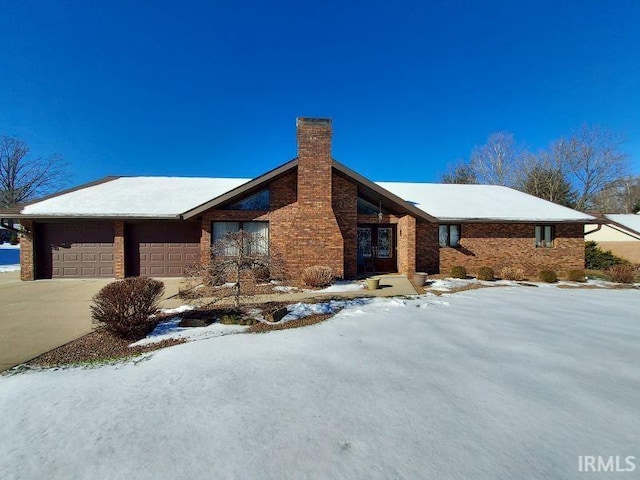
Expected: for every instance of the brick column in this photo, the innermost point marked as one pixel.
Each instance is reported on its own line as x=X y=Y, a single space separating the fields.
x=119 y=250
x=407 y=245
x=318 y=238
x=27 y=246
x=205 y=241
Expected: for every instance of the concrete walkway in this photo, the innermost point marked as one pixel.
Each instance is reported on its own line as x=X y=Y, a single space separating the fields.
x=390 y=286
x=36 y=317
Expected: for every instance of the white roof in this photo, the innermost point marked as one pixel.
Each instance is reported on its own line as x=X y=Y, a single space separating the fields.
x=168 y=197
x=136 y=197
x=454 y=202
x=628 y=220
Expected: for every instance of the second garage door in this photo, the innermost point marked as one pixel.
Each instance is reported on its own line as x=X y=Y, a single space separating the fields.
x=161 y=249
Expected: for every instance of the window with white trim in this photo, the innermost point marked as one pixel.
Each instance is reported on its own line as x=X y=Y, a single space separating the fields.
x=545 y=235
x=449 y=235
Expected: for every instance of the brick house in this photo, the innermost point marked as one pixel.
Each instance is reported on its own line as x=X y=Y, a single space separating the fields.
x=313 y=210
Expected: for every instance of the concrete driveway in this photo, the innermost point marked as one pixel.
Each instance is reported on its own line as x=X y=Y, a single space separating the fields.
x=36 y=317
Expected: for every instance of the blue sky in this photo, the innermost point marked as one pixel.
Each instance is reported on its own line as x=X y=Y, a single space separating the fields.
x=213 y=88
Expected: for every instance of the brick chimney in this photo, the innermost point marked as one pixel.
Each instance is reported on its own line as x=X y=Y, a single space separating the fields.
x=314 y=161
x=318 y=239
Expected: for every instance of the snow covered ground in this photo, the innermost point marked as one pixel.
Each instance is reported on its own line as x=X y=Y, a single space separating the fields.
x=484 y=384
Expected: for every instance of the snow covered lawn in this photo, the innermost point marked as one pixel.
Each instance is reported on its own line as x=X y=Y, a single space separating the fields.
x=508 y=382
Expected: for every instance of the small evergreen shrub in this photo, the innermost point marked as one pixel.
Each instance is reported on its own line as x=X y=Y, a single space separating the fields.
x=621 y=273
x=598 y=259
x=124 y=307
x=512 y=273
x=458 y=272
x=485 y=273
x=576 y=276
x=317 y=276
x=548 y=276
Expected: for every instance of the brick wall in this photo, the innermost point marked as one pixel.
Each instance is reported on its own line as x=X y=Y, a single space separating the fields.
x=27 y=246
x=118 y=250
x=498 y=245
x=407 y=245
x=427 y=249
x=345 y=205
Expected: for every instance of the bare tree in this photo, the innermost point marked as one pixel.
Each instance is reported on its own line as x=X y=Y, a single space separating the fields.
x=620 y=196
x=497 y=161
x=23 y=177
x=593 y=160
x=238 y=261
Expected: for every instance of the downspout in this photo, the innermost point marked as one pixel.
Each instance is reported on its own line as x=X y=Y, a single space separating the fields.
x=593 y=231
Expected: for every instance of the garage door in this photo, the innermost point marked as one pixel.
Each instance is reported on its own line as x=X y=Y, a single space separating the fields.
x=161 y=249
x=73 y=250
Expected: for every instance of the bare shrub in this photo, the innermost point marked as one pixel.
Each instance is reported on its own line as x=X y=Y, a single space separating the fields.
x=125 y=307
x=317 y=276
x=512 y=273
x=621 y=273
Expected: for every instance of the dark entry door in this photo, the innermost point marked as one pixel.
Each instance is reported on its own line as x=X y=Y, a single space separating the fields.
x=377 y=249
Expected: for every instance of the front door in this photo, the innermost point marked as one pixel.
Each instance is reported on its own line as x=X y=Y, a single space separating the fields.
x=377 y=249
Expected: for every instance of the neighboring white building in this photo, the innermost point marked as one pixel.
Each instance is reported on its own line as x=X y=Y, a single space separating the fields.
x=619 y=233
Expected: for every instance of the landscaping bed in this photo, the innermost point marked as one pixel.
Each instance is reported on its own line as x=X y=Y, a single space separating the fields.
x=101 y=346
x=98 y=347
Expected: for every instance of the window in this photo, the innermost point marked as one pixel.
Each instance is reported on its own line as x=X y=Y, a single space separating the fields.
x=364 y=241
x=385 y=242
x=257 y=201
x=449 y=235
x=544 y=236
x=365 y=207
x=258 y=244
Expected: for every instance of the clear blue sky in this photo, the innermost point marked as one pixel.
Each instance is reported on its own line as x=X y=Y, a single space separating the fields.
x=212 y=88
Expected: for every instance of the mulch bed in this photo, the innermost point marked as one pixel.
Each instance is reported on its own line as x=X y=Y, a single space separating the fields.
x=102 y=346
x=95 y=347
x=302 y=322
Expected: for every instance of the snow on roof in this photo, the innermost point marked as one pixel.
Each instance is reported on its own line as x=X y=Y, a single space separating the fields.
x=136 y=197
x=168 y=197
x=628 y=220
x=454 y=202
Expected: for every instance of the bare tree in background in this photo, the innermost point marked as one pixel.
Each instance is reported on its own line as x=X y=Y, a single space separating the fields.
x=497 y=161
x=593 y=160
x=620 y=196
x=23 y=177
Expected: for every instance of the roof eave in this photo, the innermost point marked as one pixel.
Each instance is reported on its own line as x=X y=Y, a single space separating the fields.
x=383 y=191
x=511 y=220
x=250 y=185
x=620 y=225
x=114 y=216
